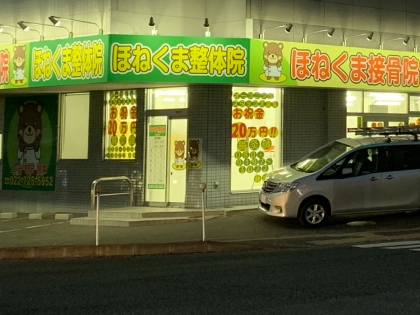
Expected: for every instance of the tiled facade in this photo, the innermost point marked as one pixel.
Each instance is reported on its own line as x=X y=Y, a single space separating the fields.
x=311 y=116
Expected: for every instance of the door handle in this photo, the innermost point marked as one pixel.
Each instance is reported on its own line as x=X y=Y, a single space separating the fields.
x=373 y=178
x=389 y=177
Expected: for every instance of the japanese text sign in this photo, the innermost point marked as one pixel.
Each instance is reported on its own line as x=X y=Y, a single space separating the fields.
x=299 y=64
x=69 y=61
x=178 y=59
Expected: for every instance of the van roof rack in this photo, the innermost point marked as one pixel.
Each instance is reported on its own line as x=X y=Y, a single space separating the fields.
x=388 y=131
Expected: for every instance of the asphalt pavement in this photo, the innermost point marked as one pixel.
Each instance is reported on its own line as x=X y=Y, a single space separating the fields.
x=245 y=230
x=343 y=280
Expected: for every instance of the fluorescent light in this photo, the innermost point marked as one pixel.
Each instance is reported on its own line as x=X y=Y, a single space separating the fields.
x=169 y=92
x=266 y=90
x=168 y=99
x=387 y=96
x=387 y=103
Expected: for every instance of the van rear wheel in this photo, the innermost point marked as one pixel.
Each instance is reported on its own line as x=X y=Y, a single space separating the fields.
x=313 y=212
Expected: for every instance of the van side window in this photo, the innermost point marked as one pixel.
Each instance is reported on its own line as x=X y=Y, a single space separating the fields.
x=365 y=162
x=361 y=162
x=404 y=157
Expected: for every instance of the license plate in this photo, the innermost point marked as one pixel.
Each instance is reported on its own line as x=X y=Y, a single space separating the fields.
x=263 y=198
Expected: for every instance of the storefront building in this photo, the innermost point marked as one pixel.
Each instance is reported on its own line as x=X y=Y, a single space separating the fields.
x=182 y=108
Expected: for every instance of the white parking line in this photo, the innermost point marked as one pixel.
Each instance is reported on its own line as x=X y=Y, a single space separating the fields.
x=31 y=227
x=389 y=244
x=14 y=219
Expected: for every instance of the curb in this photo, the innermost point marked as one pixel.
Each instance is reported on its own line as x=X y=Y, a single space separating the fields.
x=91 y=251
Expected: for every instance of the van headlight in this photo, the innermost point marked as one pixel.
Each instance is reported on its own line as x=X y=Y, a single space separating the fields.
x=285 y=187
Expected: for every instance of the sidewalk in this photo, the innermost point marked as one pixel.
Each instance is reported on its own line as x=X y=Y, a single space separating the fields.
x=22 y=238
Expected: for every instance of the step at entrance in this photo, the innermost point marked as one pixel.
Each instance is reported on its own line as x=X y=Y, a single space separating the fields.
x=143 y=216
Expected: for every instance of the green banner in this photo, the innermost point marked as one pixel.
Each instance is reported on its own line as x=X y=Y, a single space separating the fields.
x=157 y=130
x=30 y=142
x=14 y=65
x=298 y=64
x=178 y=59
x=69 y=61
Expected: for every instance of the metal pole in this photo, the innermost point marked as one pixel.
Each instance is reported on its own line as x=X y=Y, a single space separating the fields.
x=203 y=188
x=204 y=217
x=97 y=215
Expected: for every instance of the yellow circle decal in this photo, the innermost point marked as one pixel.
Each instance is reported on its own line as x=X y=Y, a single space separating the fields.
x=265 y=143
x=242 y=145
x=132 y=140
x=114 y=140
x=254 y=144
x=123 y=140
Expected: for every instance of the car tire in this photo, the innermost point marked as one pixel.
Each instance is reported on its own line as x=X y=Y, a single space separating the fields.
x=313 y=212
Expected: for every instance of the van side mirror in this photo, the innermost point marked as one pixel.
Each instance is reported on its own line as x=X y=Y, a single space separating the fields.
x=347 y=171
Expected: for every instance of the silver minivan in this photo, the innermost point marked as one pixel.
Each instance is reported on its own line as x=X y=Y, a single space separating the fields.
x=375 y=173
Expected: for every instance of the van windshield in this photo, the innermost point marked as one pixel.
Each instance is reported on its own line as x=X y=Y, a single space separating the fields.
x=321 y=157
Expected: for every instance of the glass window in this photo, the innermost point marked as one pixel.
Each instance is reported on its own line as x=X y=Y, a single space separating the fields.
x=354 y=101
x=414 y=103
x=404 y=158
x=120 y=126
x=414 y=121
x=385 y=103
x=74 y=129
x=354 y=122
x=167 y=98
x=321 y=157
x=256 y=136
x=361 y=162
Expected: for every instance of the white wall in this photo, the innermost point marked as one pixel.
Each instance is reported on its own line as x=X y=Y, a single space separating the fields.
x=38 y=11
x=386 y=18
x=179 y=17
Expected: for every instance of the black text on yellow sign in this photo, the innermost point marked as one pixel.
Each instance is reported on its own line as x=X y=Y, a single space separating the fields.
x=193 y=60
x=79 y=60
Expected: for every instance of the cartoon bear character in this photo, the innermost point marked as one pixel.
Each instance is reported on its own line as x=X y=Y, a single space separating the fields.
x=29 y=136
x=179 y=153
x=19 y=64
x=273 y=56
x=194 y=150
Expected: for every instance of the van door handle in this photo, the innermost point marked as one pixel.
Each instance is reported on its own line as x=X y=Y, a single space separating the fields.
x=373 y=178
x=389 y=177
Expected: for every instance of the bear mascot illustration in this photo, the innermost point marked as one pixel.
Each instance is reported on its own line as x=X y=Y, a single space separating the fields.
x=179 y=153
x=194 y=151
x=273 y=56
x=29 y=135
x=19 y=65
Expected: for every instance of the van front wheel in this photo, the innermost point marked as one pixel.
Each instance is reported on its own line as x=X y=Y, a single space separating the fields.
x=313 y=212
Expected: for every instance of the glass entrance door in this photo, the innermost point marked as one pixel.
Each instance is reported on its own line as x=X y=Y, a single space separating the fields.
x=177 y=162
x=166 y=161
